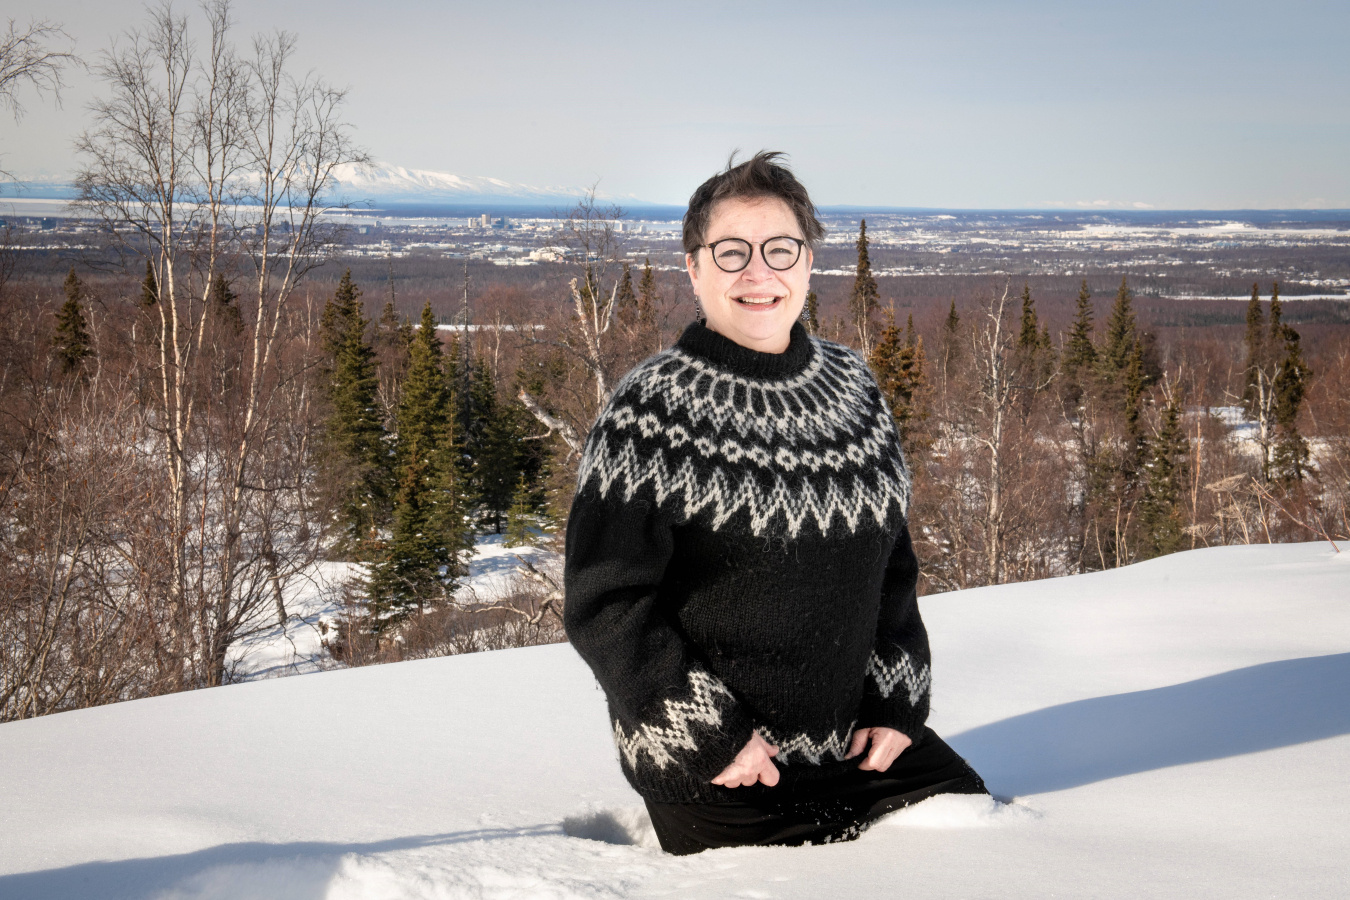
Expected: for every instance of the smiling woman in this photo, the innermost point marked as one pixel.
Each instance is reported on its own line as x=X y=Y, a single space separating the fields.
x=739 y=572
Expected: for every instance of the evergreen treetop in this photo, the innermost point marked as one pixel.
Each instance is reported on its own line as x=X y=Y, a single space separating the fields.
x=1080 y=351
x=1121 y=337
x=1028 y=337
x=360 y=466
x=1160 y=509
x=71 y=344
x=865 y=300
x=625 y=299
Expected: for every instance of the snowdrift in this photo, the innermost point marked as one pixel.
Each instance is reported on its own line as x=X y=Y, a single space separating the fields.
x=1179 y=728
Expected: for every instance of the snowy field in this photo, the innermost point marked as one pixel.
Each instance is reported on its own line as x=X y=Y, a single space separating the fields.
x=1179 y=728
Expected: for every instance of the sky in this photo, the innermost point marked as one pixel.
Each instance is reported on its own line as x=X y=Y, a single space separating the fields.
x=1176 y=105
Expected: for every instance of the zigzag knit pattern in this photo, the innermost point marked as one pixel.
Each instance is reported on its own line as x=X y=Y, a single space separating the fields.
x=903 y=671
x=833 y=746
x=658 y=740
x=808 y=449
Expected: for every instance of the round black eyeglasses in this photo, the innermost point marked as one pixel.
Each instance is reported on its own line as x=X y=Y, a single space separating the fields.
x=733 y=254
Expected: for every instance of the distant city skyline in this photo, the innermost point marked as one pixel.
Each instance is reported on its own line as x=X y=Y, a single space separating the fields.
x=1030 y=105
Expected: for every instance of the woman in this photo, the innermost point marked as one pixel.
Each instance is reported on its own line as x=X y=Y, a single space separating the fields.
x=739 y=570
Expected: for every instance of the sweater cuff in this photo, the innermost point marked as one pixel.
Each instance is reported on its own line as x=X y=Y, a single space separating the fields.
x=896 y=695
x=700 y=735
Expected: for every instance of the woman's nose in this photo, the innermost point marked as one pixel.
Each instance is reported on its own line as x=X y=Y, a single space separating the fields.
x=758 y=269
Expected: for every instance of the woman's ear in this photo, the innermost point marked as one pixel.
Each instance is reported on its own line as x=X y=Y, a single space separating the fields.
x=691 y=266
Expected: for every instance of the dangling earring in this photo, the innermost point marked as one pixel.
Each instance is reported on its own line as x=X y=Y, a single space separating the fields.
x=699 y=315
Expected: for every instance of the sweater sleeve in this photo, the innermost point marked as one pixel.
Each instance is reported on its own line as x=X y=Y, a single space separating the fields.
x=898 y=674
x=667 y=709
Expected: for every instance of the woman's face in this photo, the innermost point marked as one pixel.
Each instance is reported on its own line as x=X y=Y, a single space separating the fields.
x=756 y=306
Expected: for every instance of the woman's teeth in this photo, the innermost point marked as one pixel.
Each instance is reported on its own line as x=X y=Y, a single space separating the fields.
x=757 y=301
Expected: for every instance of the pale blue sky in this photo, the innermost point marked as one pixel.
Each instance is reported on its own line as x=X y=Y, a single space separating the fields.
x=974 y=104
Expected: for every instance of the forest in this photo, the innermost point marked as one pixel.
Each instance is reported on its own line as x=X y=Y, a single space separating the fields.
x=208 y=401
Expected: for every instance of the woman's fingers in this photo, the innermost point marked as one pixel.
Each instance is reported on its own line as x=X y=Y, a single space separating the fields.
x=752 y=764
x=858 y=743
x=887 y=744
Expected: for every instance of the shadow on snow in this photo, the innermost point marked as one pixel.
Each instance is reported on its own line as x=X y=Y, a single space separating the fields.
x=305 y=867
x=1243 y=711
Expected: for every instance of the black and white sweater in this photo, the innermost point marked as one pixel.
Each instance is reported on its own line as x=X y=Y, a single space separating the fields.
x=738 y=559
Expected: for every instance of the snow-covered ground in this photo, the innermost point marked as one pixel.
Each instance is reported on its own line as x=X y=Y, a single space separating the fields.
x=1179 y=728
x=315 y=598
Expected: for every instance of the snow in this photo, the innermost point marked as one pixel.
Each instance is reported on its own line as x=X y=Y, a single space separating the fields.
x=314 y=601
x=1179 y=728
x=313 y=597
x=388 y=182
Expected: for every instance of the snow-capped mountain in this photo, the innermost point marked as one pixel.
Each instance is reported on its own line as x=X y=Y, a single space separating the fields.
x=377 y=185
x=383 y=184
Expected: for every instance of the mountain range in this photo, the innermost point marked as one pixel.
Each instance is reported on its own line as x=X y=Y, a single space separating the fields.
x=374 y=185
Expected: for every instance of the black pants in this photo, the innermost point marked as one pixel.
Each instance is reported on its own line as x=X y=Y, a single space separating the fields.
x=808 y=807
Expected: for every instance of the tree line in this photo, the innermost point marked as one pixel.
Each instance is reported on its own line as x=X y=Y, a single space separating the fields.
x=188 y=438
x=1035 y=457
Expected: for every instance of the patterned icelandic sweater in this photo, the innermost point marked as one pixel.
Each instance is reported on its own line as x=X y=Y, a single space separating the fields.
x=738 y=559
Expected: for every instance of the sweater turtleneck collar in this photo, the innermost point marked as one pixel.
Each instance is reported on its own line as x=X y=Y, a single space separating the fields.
x=701 y=341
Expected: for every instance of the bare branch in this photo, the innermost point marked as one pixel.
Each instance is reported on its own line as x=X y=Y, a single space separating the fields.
x=27 y=59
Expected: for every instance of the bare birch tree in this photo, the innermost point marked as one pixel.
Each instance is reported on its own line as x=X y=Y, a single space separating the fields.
x=213 y=165
x=583 y=330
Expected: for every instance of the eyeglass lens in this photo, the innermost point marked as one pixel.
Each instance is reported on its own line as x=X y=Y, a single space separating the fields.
x=733 y=254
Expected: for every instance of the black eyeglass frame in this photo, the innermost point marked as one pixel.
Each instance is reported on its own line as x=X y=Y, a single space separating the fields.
x=712 y=249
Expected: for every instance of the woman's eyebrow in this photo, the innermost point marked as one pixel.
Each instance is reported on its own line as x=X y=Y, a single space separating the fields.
x=747 y=240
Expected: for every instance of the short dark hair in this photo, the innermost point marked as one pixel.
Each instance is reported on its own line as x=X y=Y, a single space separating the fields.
x=762 y=175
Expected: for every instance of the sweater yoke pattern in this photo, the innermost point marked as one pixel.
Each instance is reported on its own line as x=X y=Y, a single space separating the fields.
x=791 y=453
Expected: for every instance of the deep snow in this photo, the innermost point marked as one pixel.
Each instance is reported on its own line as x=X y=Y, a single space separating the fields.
x=1178 y=728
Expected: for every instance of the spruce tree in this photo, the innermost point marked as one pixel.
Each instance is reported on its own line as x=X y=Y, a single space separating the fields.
x=494 y=446
x=224 y=305
x=149 y=287
x=950 y=349
x=865 y=300
x=897 y=362
x=648 y=301
x=1292 y=453
x=1028 y=336
x=1133 y=389
x=360 y=468
x=518 y=530
x=1118 y=343
x=625 y=300
x=71 y=344
x=430 y=535
x=338 y=312
x=812 y=313
x=1080 y=351
x=1034 y=351
x=1160 y=509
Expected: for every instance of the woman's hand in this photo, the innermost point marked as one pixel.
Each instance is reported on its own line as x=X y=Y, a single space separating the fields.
x=887 y=744
x=752 y=764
